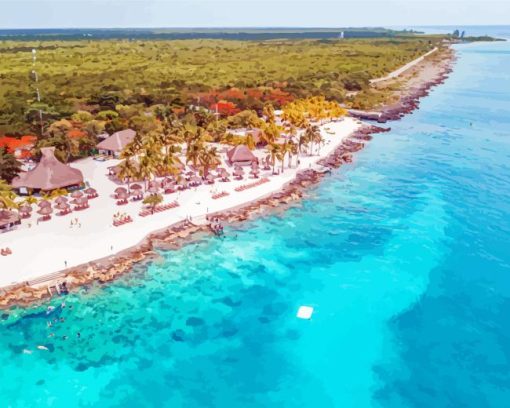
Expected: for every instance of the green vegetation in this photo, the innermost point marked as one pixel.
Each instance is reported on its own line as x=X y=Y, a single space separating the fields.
x=111 y=83
x=9 y=166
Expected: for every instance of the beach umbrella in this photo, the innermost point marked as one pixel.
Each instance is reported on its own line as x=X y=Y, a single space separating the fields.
x=122 y=195
x=153 y=189
x=61 y=199
x=26 y=208
x=196 y=180
x=238 y=171
x=77 y=194
x=119 y=191
x=167 y=182
x=62 y=205
x=90 y=191
x=45 y=211
x=136 y=187
x=210 y=178
x=44 y=203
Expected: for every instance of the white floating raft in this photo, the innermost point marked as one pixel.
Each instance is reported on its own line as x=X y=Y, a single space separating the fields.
x=305 y=312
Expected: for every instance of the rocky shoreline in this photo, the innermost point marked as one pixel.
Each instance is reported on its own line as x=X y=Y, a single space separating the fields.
x=410 y=99
x=173 y=237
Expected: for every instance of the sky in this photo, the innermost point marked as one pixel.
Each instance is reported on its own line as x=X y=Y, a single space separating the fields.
x=249 y=13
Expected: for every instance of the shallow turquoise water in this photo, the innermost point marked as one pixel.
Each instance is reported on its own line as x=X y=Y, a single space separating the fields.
x=405 y=256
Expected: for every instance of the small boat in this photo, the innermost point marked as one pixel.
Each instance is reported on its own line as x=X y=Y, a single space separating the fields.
x=43 y=348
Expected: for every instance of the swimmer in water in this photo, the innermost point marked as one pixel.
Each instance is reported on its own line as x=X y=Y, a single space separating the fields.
x=62 y=320
x=78 y=334
x=63 y=305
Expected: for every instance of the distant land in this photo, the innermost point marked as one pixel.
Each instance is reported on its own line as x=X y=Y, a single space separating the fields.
x=239 y=33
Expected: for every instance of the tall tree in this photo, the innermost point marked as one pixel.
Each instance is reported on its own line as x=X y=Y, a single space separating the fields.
x=9 y=166
x=208 y=158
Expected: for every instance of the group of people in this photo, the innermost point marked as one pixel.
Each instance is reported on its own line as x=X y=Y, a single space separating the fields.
x=5 y=251
x=50 y=323
x=75 y=222
x=216 y=226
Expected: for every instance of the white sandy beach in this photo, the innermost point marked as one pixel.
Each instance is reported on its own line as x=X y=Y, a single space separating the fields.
x=45 y=248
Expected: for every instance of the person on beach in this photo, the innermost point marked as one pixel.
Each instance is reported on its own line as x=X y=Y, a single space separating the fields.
x=65 y=263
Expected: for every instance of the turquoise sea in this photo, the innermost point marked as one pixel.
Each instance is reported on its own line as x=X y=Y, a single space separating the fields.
x=405 y=256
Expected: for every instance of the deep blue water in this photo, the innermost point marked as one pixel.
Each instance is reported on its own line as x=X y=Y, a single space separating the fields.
x=405 y=256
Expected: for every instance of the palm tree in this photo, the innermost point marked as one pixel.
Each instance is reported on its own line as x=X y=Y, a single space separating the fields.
x=208 y=158
x=320 y=141
x=57 y=193
x=127 y=171
x=29 y=200
x=271 y=132
x=193 y=152
x=7 y=196
x=274 y=151
x=312 y=134
x=150 y=159
x=169 y=162
x=153 y=200
x=302 y=141
x=292 y=150
x=268 y=112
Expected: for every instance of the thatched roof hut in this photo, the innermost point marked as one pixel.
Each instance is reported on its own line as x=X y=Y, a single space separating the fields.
x=49 y=174
x=114 y=144
x=241 y=155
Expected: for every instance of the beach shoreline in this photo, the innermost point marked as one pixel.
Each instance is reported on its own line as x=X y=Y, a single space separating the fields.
x=173 y=236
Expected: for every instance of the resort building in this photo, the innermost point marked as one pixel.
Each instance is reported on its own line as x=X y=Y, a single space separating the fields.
x=113 y=145
x=49 y=174
x=20 y=148
x=241 y=155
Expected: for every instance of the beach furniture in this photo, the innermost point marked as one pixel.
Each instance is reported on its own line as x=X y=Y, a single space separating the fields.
x=45 y=212
x=91 y=193
x=159 y=208
x=305 y=312
x=219 y=195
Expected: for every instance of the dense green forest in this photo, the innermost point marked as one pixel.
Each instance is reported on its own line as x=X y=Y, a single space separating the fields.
x=97 y=75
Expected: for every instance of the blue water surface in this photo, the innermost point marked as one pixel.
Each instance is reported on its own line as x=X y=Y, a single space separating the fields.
x=405 y=256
